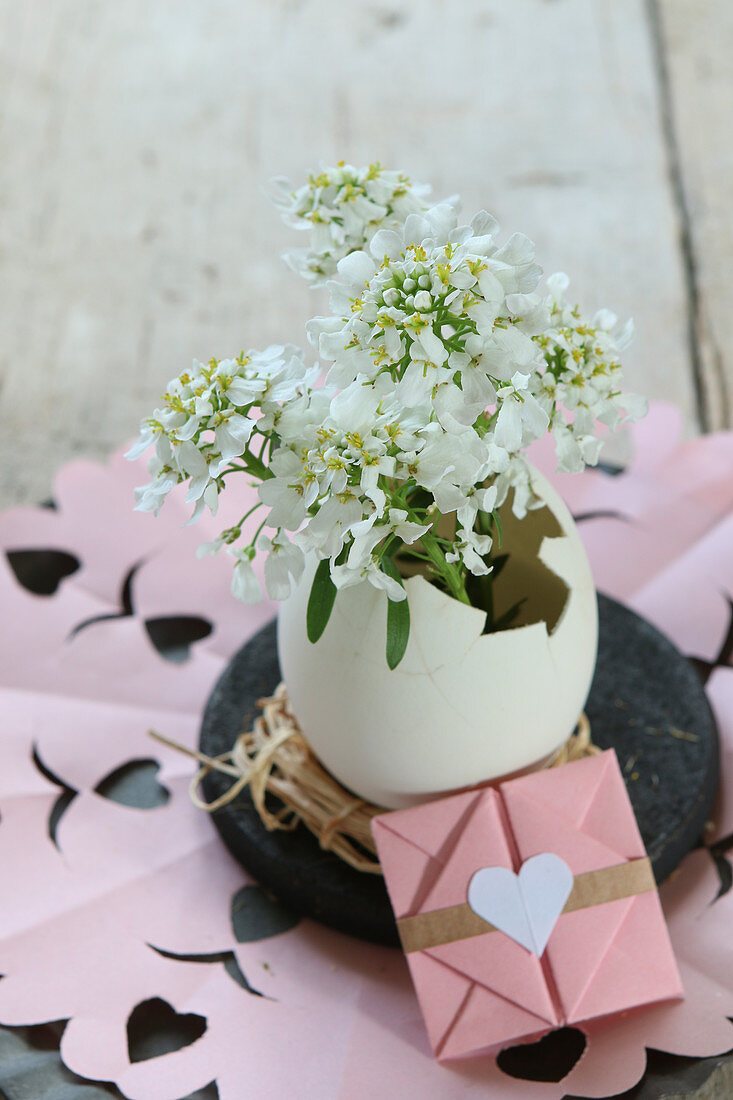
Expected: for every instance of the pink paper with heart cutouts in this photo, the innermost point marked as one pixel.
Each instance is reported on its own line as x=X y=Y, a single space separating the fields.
x=82 y=922
x=510 y=856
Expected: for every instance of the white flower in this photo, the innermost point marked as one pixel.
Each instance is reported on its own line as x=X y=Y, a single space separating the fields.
x=331 y=526
x=208 y=499
x=448 y=463
x=632 y=405
x=521 y=418
x=467 y=503
x=231 y=435
x=283 y=566
x=342 y=208
x=299 y=422
x=458 y=409
x=363 y=564
x=516 y=477
x=145 y=439
x=151 y=497
x=575 y=451
x=343 y=576
x=195 y=464
x=471 y=548
x=284 y=495
x=369 y=533
x=245 y=585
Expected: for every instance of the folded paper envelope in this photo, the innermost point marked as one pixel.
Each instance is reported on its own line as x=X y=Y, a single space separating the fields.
x=608 y=950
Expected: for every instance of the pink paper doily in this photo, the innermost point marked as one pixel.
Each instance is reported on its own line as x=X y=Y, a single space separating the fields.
x=105 y=906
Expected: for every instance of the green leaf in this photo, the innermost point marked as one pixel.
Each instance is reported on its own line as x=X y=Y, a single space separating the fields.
x=498 y=564
x=320 y=601
x=499 y=528
x=505 y=621
x=398 y=619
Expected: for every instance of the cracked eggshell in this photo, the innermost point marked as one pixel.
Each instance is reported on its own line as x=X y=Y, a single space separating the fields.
x=462 y=707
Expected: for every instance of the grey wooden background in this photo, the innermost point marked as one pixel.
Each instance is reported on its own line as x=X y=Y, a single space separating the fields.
x=135 y=137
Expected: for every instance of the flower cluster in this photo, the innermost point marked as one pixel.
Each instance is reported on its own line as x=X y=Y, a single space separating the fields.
x=445 y=363
x=584 y=377
x=342 y=208
x=204 y=429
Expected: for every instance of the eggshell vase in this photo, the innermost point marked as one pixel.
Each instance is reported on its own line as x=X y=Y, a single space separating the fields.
x=463 y=707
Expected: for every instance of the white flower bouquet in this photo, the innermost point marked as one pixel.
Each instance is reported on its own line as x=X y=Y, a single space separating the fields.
x=445 y=363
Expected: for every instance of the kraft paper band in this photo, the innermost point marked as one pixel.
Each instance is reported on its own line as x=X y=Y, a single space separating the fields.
x=459 y=922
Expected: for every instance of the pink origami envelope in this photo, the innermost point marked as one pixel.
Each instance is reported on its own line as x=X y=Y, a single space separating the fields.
x=481 y=987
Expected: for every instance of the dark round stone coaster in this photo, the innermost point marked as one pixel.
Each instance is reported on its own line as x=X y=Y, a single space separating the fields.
x=646 y=702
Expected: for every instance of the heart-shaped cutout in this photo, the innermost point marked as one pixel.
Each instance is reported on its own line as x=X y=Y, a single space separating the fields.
x=549 y=1059
x=134 y=784
x=42 y=571
x=255 y=916
x=154 y=1028
x=526 y=907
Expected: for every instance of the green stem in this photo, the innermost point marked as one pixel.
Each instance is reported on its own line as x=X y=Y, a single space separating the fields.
x=253 y=467
x=257 y=533
x=450 y=573
x=249 y=513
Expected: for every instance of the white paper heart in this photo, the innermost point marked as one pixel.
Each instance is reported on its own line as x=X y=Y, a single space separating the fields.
x=525 y=907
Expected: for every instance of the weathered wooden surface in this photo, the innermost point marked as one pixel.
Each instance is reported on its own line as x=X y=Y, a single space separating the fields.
x=134 y=139
x=696 y=41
